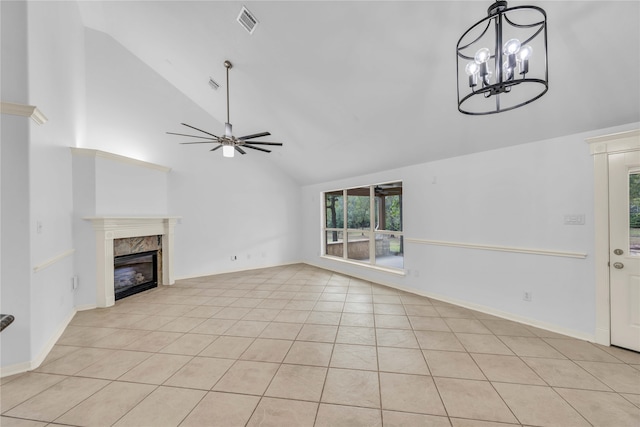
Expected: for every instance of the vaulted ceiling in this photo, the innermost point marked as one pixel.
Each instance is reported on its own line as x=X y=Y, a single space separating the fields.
x=353 y=87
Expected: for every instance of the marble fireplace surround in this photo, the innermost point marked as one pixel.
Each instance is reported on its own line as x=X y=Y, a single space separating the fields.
x=109 y=228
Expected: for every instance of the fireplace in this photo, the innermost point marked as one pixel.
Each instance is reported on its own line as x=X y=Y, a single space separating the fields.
x=135 y=273
x=108 y=231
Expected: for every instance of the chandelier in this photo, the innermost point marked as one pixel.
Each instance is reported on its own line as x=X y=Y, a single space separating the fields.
x=502 y=60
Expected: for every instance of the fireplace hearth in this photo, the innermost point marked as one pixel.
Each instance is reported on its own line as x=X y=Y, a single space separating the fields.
x=135 y=273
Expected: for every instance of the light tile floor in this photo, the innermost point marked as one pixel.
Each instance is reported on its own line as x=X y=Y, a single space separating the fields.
x=300 y=346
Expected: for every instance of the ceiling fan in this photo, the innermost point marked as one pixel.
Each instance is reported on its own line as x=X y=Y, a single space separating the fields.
x=229 y=143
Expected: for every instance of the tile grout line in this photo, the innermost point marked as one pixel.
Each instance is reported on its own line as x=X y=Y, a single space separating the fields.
x=295 y=295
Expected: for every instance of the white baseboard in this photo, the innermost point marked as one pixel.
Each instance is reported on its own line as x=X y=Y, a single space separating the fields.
x=603 y=336
x=241 y=269
x=477 y=307
x=18 y=368
x=84 y=307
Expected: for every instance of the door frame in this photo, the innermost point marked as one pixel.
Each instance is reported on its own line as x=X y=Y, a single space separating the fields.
x=601 y=147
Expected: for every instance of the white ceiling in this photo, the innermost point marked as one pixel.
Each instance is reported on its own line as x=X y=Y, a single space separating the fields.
x=353 y=87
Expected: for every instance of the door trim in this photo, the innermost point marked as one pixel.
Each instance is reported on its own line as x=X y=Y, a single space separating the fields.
x=601 y=147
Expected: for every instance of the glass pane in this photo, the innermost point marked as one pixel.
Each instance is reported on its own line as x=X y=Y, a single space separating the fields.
x=334 y=209
x=358 y=208
x=390 y=207
x=634 y=214
x=389 y=250
x=358 y=246
x=334 y=243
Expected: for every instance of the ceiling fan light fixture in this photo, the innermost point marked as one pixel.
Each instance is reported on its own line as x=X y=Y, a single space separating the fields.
x=228 y=150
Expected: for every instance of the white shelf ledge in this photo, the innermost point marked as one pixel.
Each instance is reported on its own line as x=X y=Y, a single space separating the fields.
x=90 y=152
x=23 y=110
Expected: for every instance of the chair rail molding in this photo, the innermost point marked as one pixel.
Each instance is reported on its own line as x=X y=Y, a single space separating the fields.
x=23 y=110
x=519 y=250
x=53 y=260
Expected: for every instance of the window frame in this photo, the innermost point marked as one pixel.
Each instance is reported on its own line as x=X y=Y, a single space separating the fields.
x=371 y=231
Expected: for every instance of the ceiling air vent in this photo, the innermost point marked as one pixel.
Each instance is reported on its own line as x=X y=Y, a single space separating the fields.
x=247 y=20
x=213 y=83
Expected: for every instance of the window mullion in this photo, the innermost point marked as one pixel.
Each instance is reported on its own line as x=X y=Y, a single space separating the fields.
x=345 y=235
x=372 y=225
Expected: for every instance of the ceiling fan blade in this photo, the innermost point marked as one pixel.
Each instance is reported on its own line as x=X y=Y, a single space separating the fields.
x=257 y=148
x=200 y=142
x=263 y=143
x=199 y=130
x=240 y=150
x=255 y=135
x=193 y=136
x=215 y=148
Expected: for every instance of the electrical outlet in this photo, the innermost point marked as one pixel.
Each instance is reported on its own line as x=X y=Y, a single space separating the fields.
x=526 y=296
x=574 y=219
x=234 y=257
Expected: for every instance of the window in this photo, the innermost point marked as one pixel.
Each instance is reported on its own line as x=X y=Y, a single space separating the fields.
x=364 y=224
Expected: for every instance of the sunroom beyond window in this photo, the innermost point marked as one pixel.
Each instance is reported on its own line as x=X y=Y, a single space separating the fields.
x=373 y=239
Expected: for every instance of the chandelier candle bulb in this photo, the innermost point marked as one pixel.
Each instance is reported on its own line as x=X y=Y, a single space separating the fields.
x=482 y=56
x=523 y=58
x=512 y=46
x=472 y=71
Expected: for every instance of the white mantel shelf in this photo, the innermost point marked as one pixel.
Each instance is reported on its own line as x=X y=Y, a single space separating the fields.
x=109 y=228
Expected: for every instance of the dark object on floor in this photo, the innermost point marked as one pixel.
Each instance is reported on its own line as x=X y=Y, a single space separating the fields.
x=5 y=320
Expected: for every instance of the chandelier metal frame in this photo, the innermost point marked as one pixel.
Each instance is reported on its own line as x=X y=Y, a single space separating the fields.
x=510 y=60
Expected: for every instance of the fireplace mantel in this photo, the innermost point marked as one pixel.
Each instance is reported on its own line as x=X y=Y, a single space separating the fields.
x=109 y=228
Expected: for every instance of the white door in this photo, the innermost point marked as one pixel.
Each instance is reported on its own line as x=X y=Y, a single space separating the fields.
x=624 y=244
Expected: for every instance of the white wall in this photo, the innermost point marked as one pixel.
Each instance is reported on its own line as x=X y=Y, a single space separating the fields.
x=56 y=76
x=46 y=71
x=243 y=206
x=515 y=197
x=127 y=189
x=15 y=287
x=84 y=205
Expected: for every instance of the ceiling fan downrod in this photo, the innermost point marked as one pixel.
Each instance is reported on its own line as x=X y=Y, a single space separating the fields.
x=228 y=65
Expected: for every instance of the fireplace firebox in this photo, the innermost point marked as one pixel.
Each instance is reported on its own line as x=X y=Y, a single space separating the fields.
x=135 y=273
